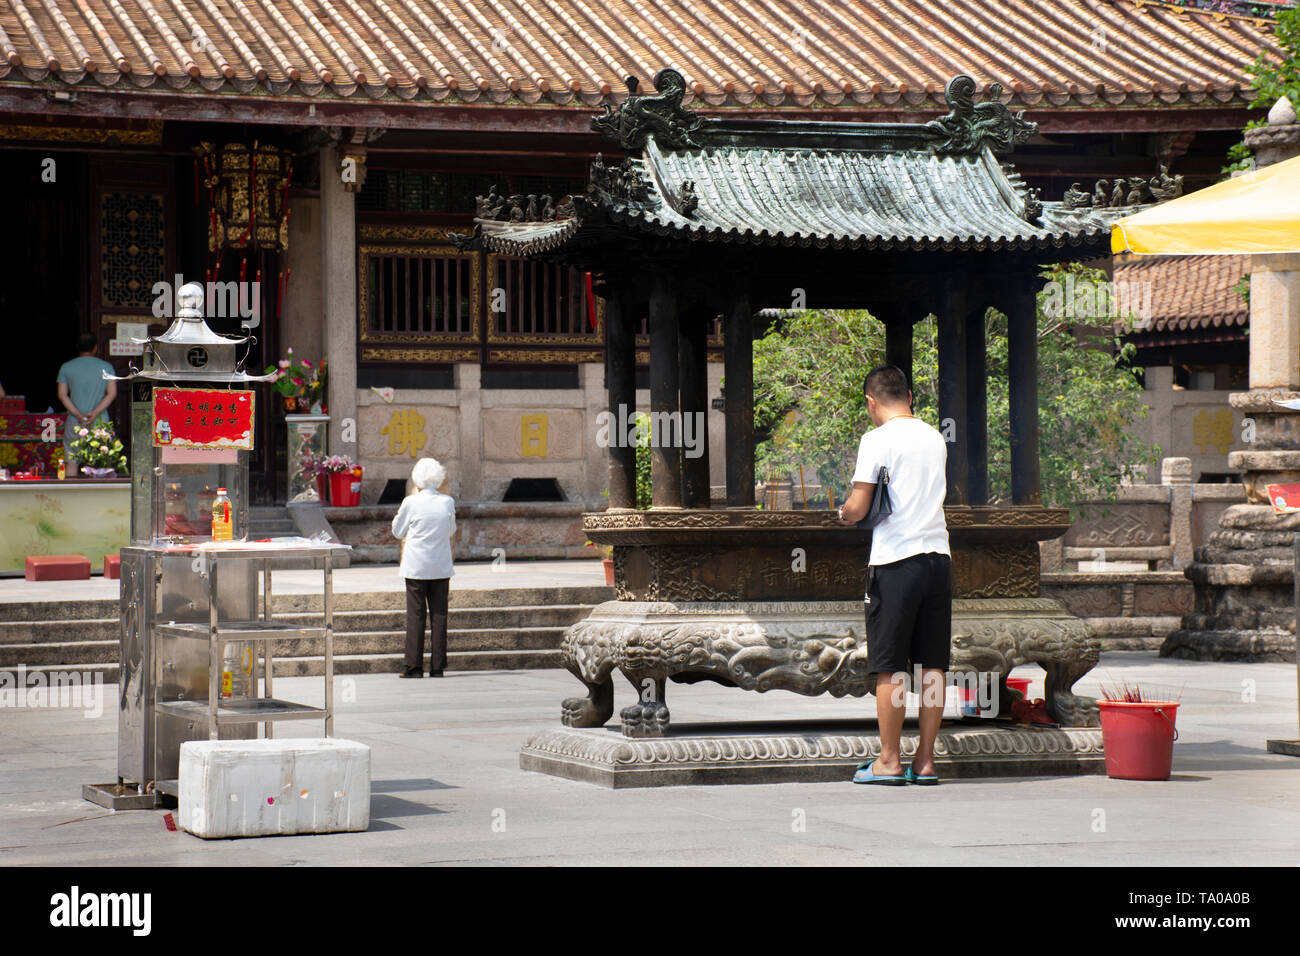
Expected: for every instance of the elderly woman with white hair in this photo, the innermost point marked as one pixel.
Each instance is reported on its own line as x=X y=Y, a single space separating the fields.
x=426 y=522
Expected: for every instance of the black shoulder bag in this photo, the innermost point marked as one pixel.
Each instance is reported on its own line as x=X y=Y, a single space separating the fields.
x=881 y=507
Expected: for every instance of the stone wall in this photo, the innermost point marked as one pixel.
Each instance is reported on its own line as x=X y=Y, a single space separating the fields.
x=486 y=437
x=484 y=531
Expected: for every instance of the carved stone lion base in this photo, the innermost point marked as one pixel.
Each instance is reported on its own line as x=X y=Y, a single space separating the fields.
x=805 y=752
x=808 y=647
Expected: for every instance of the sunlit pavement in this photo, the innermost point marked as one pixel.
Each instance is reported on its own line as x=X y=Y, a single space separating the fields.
x=447 y=787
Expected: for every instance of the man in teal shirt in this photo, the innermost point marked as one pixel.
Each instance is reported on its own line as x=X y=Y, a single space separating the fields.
x=84 y=392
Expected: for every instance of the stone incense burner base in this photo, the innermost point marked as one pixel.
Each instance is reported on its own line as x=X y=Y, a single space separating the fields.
x=808 y=647
x=804 y=752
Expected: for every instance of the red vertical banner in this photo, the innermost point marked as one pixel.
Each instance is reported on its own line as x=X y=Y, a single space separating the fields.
x=591 y=300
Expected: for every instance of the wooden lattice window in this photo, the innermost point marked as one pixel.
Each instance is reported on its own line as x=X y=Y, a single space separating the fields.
x=418 y=293
x=538 y=299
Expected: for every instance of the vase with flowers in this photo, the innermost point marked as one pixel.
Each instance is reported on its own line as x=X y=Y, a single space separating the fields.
x=98 y=450
x=295 y=382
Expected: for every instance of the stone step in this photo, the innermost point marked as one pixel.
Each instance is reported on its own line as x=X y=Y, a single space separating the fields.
x=392 y=663
x=94 y=609
x=348 y=664
x=556 y=615
x=99 y=608
x=364 y=642
x=59 y=653
x=51 y=632
x=478 y=598
x=553 y=616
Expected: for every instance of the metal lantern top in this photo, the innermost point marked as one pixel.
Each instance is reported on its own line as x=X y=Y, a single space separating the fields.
x=189 y=351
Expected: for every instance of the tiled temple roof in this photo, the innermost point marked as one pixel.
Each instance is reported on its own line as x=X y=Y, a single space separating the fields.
x=1188 y=293
x=802 y=53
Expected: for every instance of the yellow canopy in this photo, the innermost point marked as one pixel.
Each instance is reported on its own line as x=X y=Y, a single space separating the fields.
x=1256 y=212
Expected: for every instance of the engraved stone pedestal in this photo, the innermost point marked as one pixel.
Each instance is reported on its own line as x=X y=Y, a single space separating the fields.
x=1243 y=575
x=802 y=751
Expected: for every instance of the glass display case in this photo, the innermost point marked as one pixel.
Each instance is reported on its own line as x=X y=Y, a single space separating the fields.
x=305 y=443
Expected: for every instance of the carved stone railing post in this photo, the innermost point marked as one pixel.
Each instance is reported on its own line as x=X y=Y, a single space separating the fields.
x=1176 y=475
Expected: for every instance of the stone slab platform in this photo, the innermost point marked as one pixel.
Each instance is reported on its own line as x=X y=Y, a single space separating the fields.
x=801 y=751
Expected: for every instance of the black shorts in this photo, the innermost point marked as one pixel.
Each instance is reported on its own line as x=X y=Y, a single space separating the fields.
x=909 y=614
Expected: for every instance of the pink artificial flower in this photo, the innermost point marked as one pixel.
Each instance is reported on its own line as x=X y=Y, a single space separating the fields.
x=284 y=363
x=306 y=363
x=297 y=381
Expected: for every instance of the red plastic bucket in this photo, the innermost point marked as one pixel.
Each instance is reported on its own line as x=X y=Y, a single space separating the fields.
x=1139 y=738
x=345 y=489
x=1019 y=683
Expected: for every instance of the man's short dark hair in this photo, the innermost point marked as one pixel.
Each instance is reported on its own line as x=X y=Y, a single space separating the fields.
x=887 y=384
x=86 y=342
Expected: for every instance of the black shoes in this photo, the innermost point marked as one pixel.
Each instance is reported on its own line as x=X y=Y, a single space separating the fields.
x=411 y=672
x=437 y=673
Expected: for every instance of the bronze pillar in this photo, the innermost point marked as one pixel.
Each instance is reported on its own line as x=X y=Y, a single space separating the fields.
x=1022 y=387
x=693 y=368
x=952 y=314
x=620 y=379
x=665 y=410
x=898 y=339
x=738 y=390
x=977 y=406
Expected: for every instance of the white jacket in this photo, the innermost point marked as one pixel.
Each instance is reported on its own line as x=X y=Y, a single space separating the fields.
x=427 y=520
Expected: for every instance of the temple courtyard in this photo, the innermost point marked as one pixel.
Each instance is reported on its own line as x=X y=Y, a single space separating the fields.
x=447 y=787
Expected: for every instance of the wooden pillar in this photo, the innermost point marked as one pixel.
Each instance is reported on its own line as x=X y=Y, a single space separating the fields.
x=952 y=384
x=665 y=451
x=1022 y=372
x=738 y=390
x=620 y=380
x=977 y=405
x=693 y=330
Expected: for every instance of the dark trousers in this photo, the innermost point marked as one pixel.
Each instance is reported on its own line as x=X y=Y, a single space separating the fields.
x=430 y=593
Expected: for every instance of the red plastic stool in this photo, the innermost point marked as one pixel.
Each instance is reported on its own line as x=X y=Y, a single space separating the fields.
x=112 y=566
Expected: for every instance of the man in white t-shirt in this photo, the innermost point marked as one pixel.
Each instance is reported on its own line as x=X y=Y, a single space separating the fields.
x=909 y=574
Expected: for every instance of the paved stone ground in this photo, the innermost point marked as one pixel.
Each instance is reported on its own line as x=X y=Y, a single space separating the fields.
x=445 y=768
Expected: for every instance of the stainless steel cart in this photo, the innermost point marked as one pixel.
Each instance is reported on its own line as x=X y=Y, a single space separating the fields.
x=184 y=596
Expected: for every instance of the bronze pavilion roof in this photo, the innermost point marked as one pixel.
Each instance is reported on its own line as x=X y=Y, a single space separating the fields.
x=936 y=186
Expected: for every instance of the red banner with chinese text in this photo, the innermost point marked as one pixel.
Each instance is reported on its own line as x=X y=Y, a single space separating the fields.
x=202 y=418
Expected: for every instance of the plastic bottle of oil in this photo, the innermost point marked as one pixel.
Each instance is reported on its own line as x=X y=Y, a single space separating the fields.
x=237 y=671
x=223 y=528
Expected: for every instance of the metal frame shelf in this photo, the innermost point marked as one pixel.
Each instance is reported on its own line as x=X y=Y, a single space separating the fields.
x=265 y=708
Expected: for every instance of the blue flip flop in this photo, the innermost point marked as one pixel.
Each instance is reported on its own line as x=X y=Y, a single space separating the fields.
x=929 y=780
x=864 y=775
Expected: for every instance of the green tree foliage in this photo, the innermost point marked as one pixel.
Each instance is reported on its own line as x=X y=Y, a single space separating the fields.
x=809 y=369
x=1272 y=80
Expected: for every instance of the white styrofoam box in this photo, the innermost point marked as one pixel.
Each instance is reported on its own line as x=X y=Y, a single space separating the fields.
x=233 y=788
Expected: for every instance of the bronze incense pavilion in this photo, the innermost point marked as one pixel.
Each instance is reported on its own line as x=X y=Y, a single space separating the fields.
x=707 y=217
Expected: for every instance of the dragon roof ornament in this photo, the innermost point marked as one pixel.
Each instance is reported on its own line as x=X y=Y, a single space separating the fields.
x=970 y=126
x=639 y=117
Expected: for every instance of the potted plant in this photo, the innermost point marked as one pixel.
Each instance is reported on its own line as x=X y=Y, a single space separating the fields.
x=344 y=480
x=607 y=559
x=1138 y=733
x=99 y=451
